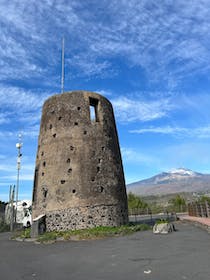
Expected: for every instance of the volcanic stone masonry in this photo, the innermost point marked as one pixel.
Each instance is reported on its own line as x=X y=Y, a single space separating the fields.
x=79 y=181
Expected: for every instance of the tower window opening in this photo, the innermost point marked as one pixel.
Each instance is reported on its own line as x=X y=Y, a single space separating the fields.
x=93 y=109
x=45 y=191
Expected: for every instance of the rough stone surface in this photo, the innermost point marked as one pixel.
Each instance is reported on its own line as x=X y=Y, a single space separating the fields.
x=79 y=171
x=85 y=217
x=162 y=228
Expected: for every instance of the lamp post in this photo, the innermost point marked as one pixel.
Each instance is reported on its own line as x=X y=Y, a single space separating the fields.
x=18 y=146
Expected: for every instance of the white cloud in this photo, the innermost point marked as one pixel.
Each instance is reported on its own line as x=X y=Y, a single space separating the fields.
x=199 y=132
x=9 y=173
x=7 y=167
x=4 y=118
x=90 y=67
x=131 y=155
x=11 y=167
x=8 y=134
x=21 y=108
x=168 y=40
x=167 y=157
x=104 y=92
x=20 y=99
x=131 y=110
x=32 y=132
x=22 y=195
x=23 y=177
x=161 y=130
x=191 y=154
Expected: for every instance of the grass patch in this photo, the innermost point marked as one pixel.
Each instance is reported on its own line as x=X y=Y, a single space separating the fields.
x=161 y=221
x=92 y=233
x=84 y=234
x=4 y=227
x=26 y=233
x=23 y=234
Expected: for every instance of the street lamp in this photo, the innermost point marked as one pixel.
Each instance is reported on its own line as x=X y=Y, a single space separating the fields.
x=18 y=146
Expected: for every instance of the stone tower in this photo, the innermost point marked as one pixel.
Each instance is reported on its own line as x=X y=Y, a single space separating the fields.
x=79 y=180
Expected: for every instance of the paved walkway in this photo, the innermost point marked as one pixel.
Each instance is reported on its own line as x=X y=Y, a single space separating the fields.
x=202 y=222
x=183 y=254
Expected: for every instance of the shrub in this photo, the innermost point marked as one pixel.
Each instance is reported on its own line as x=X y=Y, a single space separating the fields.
x=4 y=227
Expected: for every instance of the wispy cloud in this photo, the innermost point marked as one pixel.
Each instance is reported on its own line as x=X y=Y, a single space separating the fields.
x=90 y=67
x=200 y=132
x=13 y=178
x=4 y=118
x=28 y=131
x=158 y=48
x=10 y=171
x=191 y=154
x=6 y=167
x=20 y=98
x=167 y=157
x=131 y=155
x=131 y=110
x=20 y=107
x=8 y=134
x=170 y=41
x=104 y=92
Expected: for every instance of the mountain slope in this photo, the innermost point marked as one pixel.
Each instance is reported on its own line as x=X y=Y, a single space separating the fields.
x=175 y=181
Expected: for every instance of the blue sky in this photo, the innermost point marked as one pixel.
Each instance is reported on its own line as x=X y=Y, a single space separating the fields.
x=151 y=59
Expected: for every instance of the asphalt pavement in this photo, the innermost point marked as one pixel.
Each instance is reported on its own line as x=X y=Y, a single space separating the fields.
x=183 y=254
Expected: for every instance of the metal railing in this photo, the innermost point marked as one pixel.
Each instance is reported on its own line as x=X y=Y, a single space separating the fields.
x=198 y=209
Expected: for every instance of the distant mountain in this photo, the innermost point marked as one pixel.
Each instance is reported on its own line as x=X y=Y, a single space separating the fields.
x=175 y=181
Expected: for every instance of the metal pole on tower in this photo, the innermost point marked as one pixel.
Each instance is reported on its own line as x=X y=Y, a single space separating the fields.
x=63 y=73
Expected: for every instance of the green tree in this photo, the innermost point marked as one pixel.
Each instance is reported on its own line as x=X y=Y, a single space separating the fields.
x=136 y=202
x=178 y=203
x=204 y=198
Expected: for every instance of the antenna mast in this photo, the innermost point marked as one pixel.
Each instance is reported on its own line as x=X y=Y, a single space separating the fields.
x=18 y=146
x=62 y=75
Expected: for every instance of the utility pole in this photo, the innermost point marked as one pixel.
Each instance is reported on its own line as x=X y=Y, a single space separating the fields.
x=12 y=194
x=18 y=146
x=62 y=66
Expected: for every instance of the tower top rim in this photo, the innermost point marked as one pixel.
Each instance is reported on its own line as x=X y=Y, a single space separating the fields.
x=85 y=93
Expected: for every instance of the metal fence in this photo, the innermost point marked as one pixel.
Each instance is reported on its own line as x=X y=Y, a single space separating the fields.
x=139 y=211
x=139 y=215
x=197 y=209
